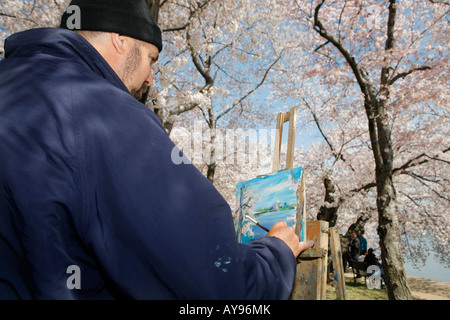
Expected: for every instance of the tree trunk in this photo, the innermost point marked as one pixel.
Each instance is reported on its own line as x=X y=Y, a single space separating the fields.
x=359 y=225
x=389 y=232
x=380 y=138
x=388 y=225
x=154 y=9
x=211 y=162
x=211 y=172
x=328 y=211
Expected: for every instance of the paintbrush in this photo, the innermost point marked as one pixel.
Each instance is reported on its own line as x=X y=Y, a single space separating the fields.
x=257 y=223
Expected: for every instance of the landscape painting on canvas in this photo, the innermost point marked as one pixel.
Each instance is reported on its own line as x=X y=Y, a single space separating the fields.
x=269 y=199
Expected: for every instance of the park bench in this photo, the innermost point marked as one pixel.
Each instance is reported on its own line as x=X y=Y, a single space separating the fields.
x=361 y=267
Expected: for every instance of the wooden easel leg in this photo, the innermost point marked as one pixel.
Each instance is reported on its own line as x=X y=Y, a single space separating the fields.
x=311 y=277
x=338 y=266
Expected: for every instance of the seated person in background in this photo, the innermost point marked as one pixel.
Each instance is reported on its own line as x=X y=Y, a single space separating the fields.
x=371 y=259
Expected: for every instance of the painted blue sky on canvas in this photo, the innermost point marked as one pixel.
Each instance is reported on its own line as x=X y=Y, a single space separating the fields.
x=273 y=188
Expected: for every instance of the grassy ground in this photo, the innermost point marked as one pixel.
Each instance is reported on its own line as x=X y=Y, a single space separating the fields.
x=357 y=291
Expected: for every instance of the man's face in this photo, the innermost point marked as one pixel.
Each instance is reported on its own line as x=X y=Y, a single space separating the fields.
x=137 y=69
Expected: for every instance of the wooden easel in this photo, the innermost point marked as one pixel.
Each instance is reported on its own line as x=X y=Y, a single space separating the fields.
x=282 y=117
x=311 y=276
x=290 y=116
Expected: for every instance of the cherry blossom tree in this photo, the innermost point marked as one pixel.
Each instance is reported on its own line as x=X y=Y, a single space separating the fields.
x=217 y=55
x=387 y=52
x=20 y=15
x=370 y=77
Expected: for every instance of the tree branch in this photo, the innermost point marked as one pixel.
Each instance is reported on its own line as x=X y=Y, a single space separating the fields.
x=316 y=120
x=7 y=15
x=183 y=108
x=209 y=81
x=420 y=178
x=176 y=28
x=322 y=45
x=413 y=162
x=440 y=2
x=360 y=78
x=252 y=90
x=403 y=169
x=404 y=74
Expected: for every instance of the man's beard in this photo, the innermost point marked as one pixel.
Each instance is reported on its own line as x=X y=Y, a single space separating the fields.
x=130 y=67
x=142 y=93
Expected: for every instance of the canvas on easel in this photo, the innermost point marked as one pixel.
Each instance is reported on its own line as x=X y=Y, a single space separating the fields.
x=273 y=197
x=269 y=199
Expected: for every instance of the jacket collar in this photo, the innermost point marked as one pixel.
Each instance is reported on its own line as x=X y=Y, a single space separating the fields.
x=61 y=43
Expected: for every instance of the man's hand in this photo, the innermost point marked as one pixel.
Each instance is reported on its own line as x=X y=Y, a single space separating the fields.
x=282 y=231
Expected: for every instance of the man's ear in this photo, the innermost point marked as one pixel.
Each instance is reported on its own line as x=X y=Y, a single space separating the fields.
x=120 y=43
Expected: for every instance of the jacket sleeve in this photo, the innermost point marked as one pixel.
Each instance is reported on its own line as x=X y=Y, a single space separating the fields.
x=161 y=230
x=276 y=265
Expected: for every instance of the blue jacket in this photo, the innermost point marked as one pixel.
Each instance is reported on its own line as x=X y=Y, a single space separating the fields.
x=91 y=204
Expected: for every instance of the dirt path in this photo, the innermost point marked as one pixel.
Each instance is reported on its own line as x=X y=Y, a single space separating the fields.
x=426 y=289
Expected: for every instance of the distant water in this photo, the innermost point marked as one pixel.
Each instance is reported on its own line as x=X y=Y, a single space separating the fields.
x=432 y=269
